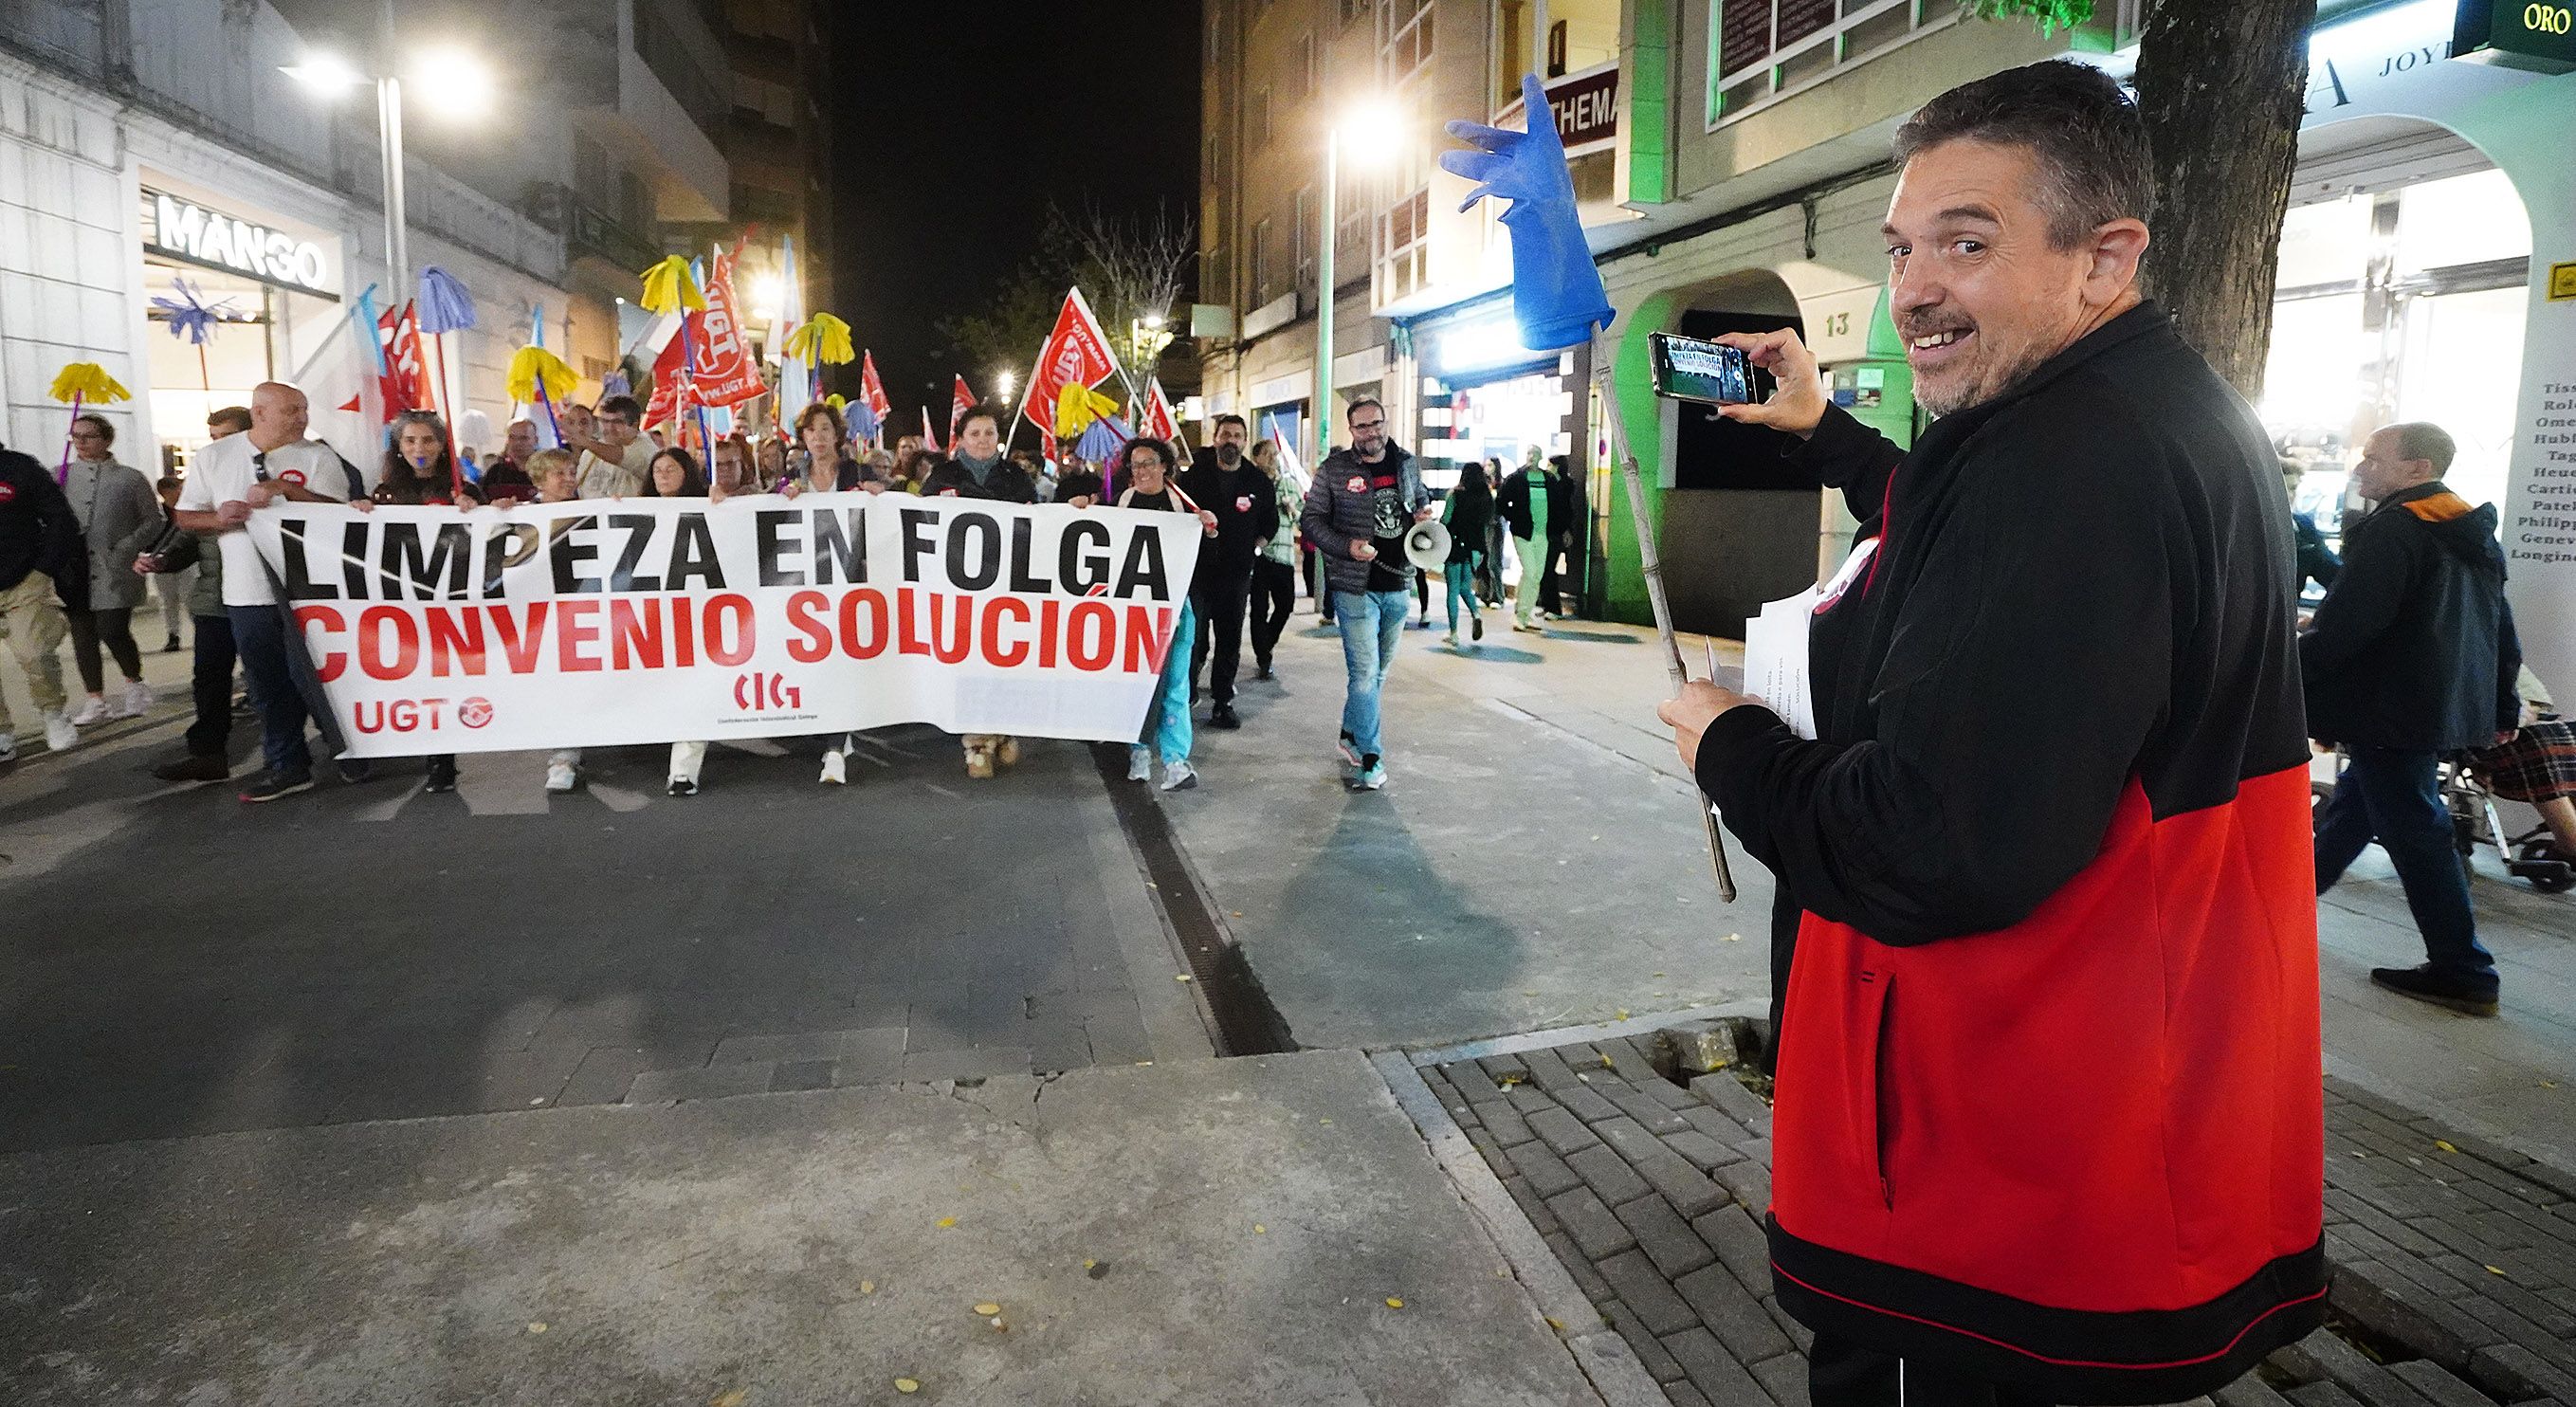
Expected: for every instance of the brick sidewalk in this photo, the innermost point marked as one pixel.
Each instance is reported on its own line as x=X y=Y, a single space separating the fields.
x=2455 y=1260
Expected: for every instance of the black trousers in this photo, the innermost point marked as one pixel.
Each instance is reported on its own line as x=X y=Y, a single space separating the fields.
x=1274 y=599
x=1841 y=1373
x=211 y=735
x=1221 y=599
x=113 y=628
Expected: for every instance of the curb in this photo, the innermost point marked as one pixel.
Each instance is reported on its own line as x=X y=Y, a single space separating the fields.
x=1603 y=1356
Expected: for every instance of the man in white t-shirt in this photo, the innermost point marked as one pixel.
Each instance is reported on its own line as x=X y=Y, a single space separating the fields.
x=231 y=479
x=615 y=457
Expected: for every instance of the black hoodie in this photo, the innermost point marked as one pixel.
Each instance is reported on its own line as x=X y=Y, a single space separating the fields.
x=1246 y=506
x=2414 y=646
x=37 y=530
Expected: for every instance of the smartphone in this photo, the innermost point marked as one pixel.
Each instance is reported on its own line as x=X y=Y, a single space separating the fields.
x=1688 y=369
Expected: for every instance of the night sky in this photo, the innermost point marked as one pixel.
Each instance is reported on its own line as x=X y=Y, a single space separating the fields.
x=959 y=121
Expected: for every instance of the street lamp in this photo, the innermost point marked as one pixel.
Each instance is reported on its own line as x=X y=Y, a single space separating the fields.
x=446 y=69
x=1004 y=381
x=1369 y=131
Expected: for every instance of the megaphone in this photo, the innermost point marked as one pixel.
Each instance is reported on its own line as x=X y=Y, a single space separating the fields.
x=1426 y=545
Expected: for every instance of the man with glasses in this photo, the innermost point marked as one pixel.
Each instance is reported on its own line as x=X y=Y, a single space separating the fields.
x=1362 y=501
x=615 y=458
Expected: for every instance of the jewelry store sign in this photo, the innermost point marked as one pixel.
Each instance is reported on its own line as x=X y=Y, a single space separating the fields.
x=183 y=229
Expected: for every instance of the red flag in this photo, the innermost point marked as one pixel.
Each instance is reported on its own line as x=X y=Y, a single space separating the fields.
x=721 y=369
x=1157 y=419
x=872 y=390
x=404 y=383
x=929 y=433
x=1076 y=352
x=667 y=404
x=960 y=401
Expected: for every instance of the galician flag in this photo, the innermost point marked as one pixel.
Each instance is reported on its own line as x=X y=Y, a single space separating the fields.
x=795 y=378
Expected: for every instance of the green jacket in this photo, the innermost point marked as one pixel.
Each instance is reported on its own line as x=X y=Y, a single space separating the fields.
x=206 y=596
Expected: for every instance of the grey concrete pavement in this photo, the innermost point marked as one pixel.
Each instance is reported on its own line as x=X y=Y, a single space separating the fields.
x=1532 y=863
x=177 y=962
x=1245 y=1225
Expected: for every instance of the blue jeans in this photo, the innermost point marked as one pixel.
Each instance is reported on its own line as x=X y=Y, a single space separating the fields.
x=2395 y=798
x=1371 y=621
x=1461 y=577
x=1167 y=714
x=269 y=657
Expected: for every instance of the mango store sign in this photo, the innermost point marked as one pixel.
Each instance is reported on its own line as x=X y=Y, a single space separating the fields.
x=186 y=230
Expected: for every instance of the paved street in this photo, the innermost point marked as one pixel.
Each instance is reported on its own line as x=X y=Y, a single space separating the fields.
x=1534 y=862
x=821 y=1043
x=1253 y=1232
x=180 y=963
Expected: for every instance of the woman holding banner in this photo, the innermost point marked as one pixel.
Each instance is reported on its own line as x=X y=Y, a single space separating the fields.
x=556 y=473
x=829 y=469
x=420 y=472
x=675 y=474
x=1145 y=466
x=979 y=470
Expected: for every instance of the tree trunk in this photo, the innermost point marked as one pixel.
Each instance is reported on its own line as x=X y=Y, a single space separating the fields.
x=2222 y=85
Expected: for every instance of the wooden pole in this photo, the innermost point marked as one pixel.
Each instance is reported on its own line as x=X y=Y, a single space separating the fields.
x=1650 y=562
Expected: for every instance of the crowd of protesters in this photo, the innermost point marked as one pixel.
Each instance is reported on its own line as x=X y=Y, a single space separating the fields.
x=2393 y=679
x=83 y=550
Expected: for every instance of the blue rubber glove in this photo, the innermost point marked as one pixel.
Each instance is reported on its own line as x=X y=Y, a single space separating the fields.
x=1556 y=292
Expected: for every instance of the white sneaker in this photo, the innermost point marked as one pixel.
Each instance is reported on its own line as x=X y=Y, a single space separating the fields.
x=1452 y=638
x=95 y=711
x=1179 y=777
x=1140 y=764
x=60 y=735
x=8 y=747
x=835 y=770
x=136 y=701
x=562 y=776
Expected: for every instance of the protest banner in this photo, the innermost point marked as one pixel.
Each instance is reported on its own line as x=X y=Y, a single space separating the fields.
x=601 y=623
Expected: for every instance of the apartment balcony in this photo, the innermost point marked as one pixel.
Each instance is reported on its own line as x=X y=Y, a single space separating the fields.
x=645 y=81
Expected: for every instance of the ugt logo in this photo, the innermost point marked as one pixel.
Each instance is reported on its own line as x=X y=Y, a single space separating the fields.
x=760 y=692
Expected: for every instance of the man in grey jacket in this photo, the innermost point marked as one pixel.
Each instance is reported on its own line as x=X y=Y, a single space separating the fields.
x=1357 y=510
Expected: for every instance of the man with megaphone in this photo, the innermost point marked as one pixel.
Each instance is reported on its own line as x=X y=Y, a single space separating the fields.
x=1356 y=514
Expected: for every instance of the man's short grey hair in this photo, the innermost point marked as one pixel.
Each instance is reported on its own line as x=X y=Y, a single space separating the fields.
x=2422 y=439
x=2082 y=131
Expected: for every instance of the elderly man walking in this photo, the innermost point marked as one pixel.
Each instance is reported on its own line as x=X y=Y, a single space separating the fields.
x=2412 y=657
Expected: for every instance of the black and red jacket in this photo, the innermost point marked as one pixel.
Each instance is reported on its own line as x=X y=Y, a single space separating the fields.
x=2049 y=1075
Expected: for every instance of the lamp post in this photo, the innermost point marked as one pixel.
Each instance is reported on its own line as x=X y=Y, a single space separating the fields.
x=452 y=69
x=1370 y=120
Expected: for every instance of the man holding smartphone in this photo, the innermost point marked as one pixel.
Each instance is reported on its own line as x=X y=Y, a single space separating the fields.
x=2049 y=1121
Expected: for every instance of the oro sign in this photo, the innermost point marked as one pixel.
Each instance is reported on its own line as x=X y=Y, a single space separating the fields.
x=2527 y=34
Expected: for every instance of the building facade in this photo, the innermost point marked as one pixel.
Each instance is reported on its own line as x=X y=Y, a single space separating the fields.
x=776 y=148
x=1739 y=185
x=128 y=166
